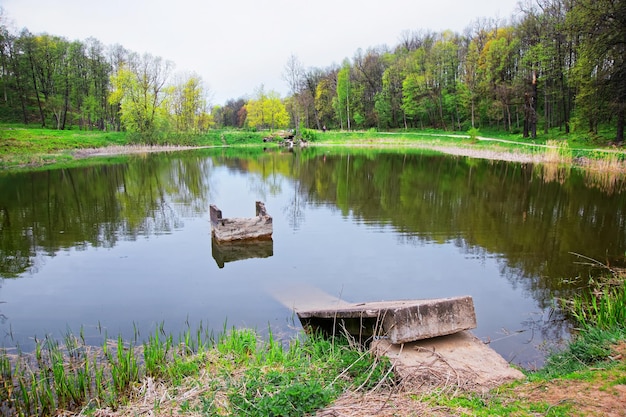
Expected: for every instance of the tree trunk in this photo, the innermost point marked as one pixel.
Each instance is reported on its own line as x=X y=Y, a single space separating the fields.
x=619 y=139
x=32 y=70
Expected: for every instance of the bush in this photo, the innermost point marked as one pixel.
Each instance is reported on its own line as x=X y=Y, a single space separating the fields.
x=473 y=133
x=309 y=135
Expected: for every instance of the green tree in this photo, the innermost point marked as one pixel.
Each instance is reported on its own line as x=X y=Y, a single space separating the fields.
x=367 y=83
x=342 y=104
x=325 y=96
x=601 y=64
x=266 y=111
x=139 y=89
x=188 y=104
x=499 y=59
x=389 y=100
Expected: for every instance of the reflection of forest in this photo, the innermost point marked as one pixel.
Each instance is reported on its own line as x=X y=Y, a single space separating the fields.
x=506 y=209
x=50 y=210
x=530 y=218
x=533 y=218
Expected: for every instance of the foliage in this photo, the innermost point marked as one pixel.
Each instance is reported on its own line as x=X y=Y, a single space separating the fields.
x=266 y=111
x=309 y=135
x=558 y=64
x=496 y=405
x=601 y=317
x=473 y=133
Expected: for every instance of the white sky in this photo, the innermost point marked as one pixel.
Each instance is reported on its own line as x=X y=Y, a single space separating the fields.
x=238 y=45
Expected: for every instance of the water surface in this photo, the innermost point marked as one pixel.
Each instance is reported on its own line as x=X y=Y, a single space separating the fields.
x=126 y=246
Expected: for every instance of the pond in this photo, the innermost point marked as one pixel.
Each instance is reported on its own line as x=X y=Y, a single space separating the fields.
x=122 y=245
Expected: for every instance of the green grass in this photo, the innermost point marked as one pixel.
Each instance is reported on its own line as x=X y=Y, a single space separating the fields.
x=234 y=374
x=494 y=405
x=32 y=147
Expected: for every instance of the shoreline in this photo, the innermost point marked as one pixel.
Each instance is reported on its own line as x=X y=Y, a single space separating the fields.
x=519 y=156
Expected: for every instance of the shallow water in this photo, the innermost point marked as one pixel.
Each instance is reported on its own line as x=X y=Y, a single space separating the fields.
x=120 y=248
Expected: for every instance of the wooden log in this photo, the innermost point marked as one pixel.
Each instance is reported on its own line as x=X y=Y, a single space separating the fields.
x=230 y=229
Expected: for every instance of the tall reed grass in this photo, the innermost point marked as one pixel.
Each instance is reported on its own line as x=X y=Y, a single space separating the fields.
x=558 y=152
x=239 y=374
x=604 y=308
x=600 y=316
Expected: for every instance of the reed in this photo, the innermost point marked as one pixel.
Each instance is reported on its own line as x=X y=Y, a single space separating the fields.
x=557 y=152
x=600 y=315
x=604 y=309
x=236 y=373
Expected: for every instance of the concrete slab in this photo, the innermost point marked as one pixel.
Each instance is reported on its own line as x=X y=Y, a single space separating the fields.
x=248 y=228
x=457 y=360
x=400 y=321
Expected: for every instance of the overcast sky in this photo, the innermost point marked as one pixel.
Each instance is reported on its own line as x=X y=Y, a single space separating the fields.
x=238 y=45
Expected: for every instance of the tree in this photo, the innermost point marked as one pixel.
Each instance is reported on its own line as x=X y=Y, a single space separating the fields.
x=343 y=94
x=312 y=79
x=188 y=104
x=389 y=100
x=325 y=97
x=266 y=111
x=293 y=74
x=231 y=113
x=601 y=63
x=139 y=89
x=499 y=59
x=367 y=80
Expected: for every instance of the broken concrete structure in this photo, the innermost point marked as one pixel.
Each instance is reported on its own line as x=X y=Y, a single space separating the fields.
x=248 y=228
x=459 y=360
x=399 y=321
x=427 y=341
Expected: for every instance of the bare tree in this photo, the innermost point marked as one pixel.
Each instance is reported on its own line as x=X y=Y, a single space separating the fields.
x=294 y=76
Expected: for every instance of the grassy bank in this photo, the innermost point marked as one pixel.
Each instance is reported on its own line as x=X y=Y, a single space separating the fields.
x=28 y=147
x=235 y=374
x=32 y=147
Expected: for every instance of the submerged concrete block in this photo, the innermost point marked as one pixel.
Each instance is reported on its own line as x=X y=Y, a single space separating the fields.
x=399 y=321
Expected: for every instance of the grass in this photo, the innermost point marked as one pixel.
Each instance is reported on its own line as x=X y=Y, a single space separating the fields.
x=32 y=147
x=235 y=374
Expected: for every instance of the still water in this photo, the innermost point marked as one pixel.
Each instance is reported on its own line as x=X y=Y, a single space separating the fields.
x=123 y=245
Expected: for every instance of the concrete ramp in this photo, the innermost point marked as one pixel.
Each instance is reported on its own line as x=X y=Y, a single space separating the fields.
x=399 y=321
x=457 y=360
x=426 y=341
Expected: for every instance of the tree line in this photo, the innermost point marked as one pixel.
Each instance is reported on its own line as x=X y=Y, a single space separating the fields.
x=557 y=64
x=63 y=84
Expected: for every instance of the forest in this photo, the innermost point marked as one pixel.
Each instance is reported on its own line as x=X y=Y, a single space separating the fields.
x=558 y=64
